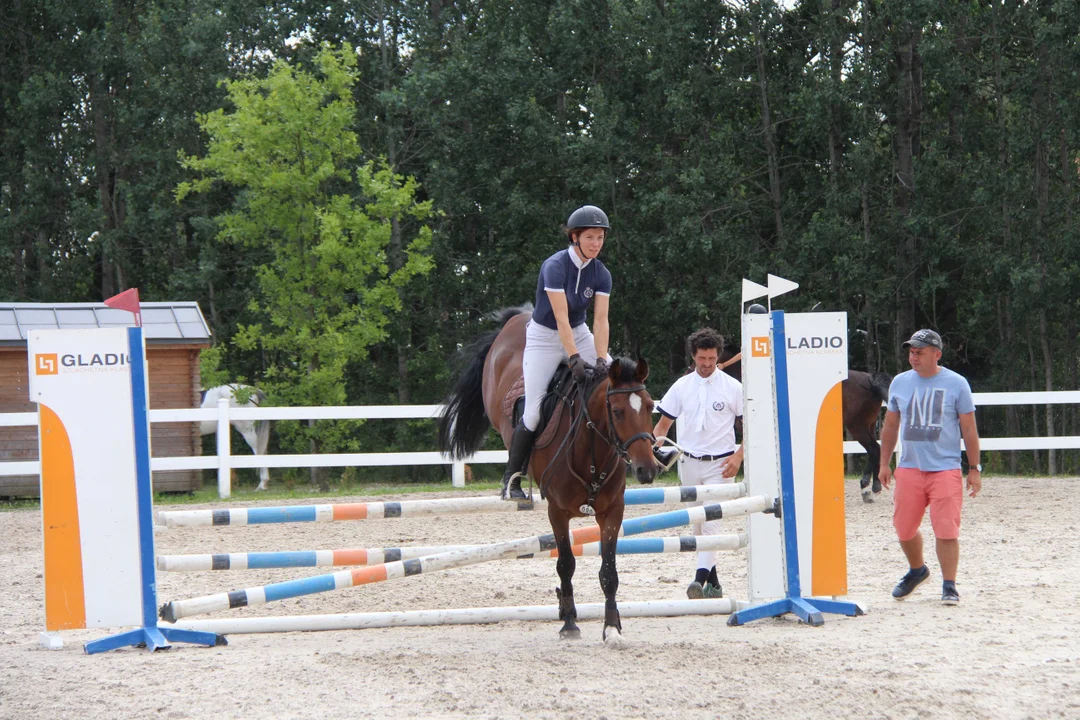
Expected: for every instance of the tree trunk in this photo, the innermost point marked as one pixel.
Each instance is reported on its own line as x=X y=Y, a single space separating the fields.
x=1048 y=370
x=1005 y=318
x=771 y=150
x=103 y=168
x=836 y=60
x=1071 y=360
x=1005 y=336
x=1034 y=408
x=908 y=116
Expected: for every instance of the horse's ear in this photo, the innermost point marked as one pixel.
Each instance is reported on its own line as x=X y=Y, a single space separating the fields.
x=642 y=370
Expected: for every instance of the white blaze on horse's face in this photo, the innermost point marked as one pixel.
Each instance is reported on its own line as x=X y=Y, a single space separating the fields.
x=635 y=402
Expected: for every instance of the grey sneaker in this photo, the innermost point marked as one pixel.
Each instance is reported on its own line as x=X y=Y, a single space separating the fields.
x=694 y=591
x=713 y=591
x=913 y=579
x=949 y=596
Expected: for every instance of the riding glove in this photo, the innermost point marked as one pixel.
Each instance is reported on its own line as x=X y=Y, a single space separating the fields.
x=577 y=367
x=601 y=366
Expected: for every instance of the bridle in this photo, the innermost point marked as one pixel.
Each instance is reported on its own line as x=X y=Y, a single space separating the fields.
x=622 y=449
x=611 y=437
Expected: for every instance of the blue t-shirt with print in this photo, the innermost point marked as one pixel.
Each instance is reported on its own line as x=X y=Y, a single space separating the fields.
x=930 y=410
x=581 y=283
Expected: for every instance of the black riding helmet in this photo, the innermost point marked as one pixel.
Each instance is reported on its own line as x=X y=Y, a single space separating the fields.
x=587 y=216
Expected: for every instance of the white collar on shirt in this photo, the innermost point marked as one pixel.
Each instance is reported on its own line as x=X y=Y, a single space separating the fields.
x=578 y=262
x=706 y=380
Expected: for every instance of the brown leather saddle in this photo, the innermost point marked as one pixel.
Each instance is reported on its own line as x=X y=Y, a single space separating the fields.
x=551 y=409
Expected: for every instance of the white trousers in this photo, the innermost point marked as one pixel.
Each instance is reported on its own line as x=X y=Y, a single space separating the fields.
x=543 y=353
x=704 y=472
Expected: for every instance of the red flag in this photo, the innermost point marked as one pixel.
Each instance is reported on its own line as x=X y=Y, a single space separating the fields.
x=127 y=300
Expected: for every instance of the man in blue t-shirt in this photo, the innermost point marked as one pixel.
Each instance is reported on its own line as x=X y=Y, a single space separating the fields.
x=930 y=408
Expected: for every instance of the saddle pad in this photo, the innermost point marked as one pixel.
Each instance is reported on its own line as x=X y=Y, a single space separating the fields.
x=549 y=419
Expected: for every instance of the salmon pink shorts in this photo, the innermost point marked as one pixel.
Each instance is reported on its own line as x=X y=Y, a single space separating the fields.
x=942 y=492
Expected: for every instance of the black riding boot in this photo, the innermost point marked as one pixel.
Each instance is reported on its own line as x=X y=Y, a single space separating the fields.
x=520 y=447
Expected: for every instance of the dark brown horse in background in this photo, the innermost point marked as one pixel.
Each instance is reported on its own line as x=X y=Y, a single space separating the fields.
x=608 y=428
x=863 y=393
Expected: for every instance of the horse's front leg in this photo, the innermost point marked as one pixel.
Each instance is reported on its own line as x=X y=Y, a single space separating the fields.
x=610 y=524
x=560 y=527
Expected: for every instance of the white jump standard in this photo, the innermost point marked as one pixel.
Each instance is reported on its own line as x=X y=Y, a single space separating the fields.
x=808 y=610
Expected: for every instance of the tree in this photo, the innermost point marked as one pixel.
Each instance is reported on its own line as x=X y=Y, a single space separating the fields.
x=326 y=291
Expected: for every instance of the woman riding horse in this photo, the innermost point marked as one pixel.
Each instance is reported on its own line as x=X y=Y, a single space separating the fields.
x=570 y=280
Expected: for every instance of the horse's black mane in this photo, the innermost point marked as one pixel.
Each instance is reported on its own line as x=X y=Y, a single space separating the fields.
x=502 y=316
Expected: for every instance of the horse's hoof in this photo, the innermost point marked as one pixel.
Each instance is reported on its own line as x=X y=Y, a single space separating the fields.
x=613 y=638
x=867 y=497
x=570 y=633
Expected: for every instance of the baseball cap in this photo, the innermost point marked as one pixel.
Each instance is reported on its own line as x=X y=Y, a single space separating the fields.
x=925 y=338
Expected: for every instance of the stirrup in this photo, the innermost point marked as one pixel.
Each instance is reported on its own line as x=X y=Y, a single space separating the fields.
x=508 y=487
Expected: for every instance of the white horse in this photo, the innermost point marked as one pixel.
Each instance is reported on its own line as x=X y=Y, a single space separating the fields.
x=255 y=432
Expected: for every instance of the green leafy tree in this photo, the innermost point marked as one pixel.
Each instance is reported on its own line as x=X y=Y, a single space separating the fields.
x=323 y=218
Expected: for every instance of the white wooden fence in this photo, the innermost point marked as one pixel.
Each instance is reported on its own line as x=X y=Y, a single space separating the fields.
x=224 y=461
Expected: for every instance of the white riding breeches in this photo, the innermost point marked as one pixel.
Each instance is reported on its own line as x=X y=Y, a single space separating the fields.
x=543 y=353
x=704 y=472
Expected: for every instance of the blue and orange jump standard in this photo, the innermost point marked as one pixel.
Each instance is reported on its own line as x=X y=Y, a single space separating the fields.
x=809 y=610
x=149 y=635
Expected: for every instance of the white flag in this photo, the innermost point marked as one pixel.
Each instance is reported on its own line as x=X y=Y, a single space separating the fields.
x=751 y=290
x=779 y=286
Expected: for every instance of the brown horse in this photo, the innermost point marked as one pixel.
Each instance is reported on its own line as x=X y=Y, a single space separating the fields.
x=863 y=394
x=582 y=471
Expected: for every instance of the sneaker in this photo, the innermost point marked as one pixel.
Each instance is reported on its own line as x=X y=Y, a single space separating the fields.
x=913 y=579
x=713 y=591
x=694 y=591
x=949 y=596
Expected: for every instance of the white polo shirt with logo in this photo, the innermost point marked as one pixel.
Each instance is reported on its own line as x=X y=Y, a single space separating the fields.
x=706 y=409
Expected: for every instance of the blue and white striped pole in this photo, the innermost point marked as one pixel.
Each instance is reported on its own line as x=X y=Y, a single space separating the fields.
x=177 y=609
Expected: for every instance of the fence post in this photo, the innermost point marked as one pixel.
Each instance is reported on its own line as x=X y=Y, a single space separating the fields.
x=458 y=477
x=224 y=450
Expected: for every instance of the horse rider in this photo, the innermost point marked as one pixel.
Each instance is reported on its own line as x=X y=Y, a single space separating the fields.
x=570 y=280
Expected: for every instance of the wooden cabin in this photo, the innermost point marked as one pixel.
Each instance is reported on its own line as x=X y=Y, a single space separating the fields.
x=175 y=333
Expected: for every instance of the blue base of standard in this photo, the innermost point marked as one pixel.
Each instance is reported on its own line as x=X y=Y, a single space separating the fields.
x=809 y=610
x=153 y=638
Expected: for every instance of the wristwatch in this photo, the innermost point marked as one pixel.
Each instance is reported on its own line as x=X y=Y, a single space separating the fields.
x=979 y=467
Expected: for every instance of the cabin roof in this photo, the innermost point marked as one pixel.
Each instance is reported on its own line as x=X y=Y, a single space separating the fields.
x=164 y=323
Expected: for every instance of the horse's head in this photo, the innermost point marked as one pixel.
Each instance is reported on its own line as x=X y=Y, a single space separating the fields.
x=629 y=411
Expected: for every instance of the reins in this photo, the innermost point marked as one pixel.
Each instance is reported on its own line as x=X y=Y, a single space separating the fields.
x=619 y=448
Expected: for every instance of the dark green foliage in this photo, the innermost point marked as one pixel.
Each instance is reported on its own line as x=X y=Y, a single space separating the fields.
x=912 y=162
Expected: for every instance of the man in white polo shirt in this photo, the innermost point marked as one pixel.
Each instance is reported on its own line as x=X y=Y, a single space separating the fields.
x=707 y=404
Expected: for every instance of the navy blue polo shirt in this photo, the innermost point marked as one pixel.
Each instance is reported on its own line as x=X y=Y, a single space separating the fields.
x=564 y=272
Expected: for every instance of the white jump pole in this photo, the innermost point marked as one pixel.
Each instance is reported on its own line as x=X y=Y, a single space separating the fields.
x=470 y=616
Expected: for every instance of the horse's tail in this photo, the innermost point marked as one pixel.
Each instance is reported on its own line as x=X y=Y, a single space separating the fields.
x=879 y=385
x=262 y=427
x=463 y=424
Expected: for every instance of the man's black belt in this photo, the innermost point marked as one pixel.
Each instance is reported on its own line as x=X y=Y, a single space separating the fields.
x=710 y=458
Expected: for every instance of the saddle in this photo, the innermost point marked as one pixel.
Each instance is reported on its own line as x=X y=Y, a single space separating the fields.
x=551 y=408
